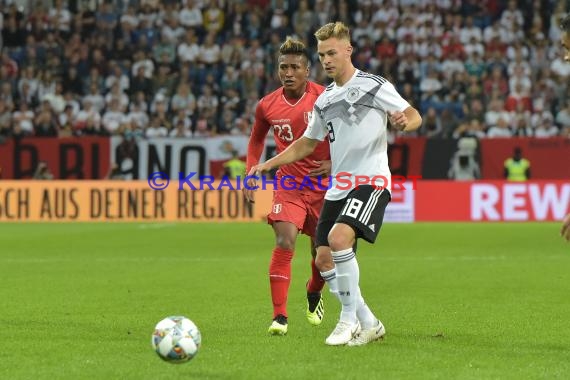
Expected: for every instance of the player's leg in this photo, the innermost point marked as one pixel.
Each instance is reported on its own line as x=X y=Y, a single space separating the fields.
x=323 y=261
x=315 y=303
x=348 y=275
x=280 y=273
x=287 y=218
x=329 y=214
x=341 y=240
x=362 y=217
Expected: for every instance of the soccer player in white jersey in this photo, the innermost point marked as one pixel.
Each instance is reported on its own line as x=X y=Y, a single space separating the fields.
x=353 y=113
x=565 y=40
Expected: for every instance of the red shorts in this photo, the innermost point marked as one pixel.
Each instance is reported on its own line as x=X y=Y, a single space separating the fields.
x=297 y=207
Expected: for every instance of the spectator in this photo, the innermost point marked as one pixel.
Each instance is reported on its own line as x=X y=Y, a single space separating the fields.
x=496 y=82
x=518 y=96
x=303 y=19
x=5 y=118
x=141 y=83
x=113 y=117
x=449 y=122
x=45 y=122
x=233 y=46
x=88 y=119
x=116 y=93
x=545 y=127
x=235 y=167
x=138 y=115
x=156 y=129
x=66 y=117
x=115 y=173
x=94 y=98
x=164 y=52
x=213 y=17
x=517 y=168
x=495 y=112
x=117 y=76
x=431 y=123
x=191 y=16
x=183 y=100
x=180 y=130
x=472 y=128
x=500 y=129
x=42 y=172
x=522 y=128
x=188 y=50
x=172 y=32
x=563 y=116
x=24 y=118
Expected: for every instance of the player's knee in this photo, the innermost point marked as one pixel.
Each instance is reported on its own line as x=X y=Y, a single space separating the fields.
x=339 y=240
x=324 y=262
x=286 y=242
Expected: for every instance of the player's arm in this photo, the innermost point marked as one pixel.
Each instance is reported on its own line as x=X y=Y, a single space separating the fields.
x=255 y=147
x=323 y=168
x=401 y=114
x=300 y=149
x=406 y=121
x=257 y=139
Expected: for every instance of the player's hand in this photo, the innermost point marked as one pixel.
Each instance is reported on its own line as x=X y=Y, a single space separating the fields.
x=256 y=170
x=323 y=168
x=248 y=191
x=259 y=169
x=398 y=120
x=565 y=231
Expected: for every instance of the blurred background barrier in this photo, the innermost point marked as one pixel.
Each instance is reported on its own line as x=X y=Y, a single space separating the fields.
x=124 y=201
x=492 y=201
x=93 y=157
x=135 y=201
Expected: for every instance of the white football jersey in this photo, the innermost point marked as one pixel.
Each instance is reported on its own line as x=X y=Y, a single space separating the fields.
x=354 y=118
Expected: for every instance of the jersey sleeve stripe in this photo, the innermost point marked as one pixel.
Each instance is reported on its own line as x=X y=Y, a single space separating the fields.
x=378 y=79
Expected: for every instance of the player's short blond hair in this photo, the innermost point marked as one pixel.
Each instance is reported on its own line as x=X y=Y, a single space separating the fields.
x=333 y=30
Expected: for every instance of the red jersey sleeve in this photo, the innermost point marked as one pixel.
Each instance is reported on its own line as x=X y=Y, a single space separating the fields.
x=257 y=138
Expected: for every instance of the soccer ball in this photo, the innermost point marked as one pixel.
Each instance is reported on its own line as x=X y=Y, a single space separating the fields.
x=176 y=339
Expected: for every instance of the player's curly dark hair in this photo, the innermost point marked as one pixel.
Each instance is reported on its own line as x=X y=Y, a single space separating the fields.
x=565 y=24
x=295 y=47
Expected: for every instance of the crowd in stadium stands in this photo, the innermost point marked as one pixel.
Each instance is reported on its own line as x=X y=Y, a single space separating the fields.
x=483 y=68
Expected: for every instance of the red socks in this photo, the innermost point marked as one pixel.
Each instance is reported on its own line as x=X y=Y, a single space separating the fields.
x=316 y=282
x=279 y=279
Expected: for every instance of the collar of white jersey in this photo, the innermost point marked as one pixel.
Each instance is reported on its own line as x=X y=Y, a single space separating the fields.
x=356 y=71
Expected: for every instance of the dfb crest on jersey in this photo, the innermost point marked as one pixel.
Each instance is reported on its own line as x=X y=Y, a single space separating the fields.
x=277 y=208
x=352 y=94
x=307 y=116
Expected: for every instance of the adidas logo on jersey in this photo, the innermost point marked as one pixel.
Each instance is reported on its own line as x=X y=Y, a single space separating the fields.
x=371 y=226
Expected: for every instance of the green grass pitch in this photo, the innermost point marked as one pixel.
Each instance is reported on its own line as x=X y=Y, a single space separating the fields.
x=459 y=301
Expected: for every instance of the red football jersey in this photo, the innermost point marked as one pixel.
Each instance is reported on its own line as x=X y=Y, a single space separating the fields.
x=288 y=121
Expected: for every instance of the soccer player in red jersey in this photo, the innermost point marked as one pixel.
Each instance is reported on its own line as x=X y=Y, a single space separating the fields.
x=299 y=195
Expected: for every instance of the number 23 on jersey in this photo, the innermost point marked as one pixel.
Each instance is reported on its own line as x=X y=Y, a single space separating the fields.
x=284 y=132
